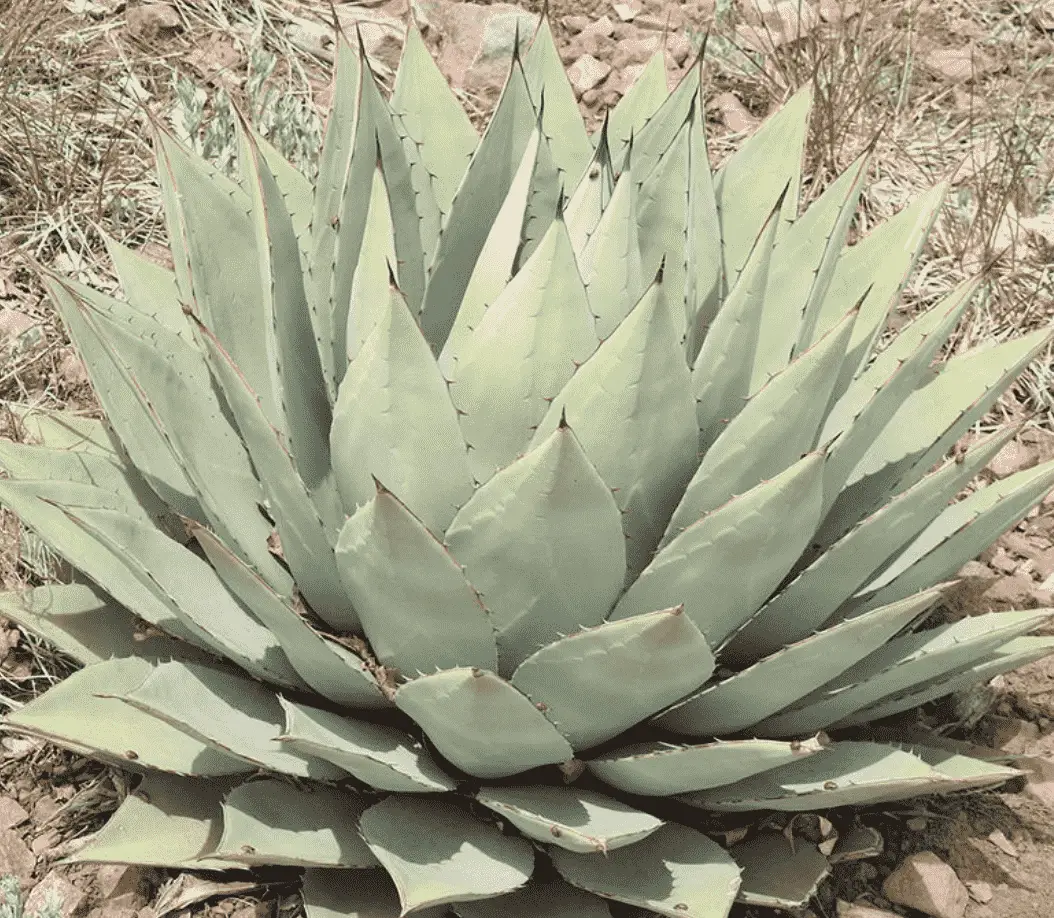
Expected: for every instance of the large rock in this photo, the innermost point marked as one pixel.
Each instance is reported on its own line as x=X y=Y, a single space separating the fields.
x=926 y=883
x=54 y=888
x=15 y=858
x=474 y=41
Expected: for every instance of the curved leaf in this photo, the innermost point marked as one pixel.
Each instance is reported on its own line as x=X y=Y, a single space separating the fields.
x=418 y=610
x=677 y=872
x=597 y=683
x=759 y=691
x=379 y=756
x=759 y=535
x=631 y=409
x=571 y=818
x=302 y=532
x=900 y=665
x=773 y=431
x=611 y=261
x=437 y=853
x=663 y=769
x=329 y=668
x=223 y=710
x=551 y=899
x=766 y=165
x=481 y=723
x=521 y=354
x=165 y=822
x=272 y=822
x=394 y=420
x=75 y=714
x=434 y=121
x=542 y=541
x=845 y=774
x=476 y=206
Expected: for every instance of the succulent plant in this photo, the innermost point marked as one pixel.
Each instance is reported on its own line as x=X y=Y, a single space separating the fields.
x=473 y=523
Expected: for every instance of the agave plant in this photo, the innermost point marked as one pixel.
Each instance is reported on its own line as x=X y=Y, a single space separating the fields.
x=472 y=523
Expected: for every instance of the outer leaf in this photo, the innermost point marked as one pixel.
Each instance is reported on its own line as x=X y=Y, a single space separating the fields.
x=677 y=872
x=22 y=462
x=873 y=272
x=789 y=674
x=138 y=434
x=271 y=822
x=663 y=769
x=660 y=130
x=168 y=374
x=298 y=194
x=844 y=774
x=165 y=822
x=765 y=167
x=355 y=894
x=376 y=137
x=305 y=543
x=379 y=756
x=960 y=533
x=552 y=93
x=597 y=683
x=64 y=429
x=419 y=611
x=437 y=853
x=35 y=504
x=435 y=123
x=496 y=264
x=552 y=899
x=900 y=665
x=476 y=206
x=394 y=419
x=611 y=261
x=810 y=599
x=721 y=374
x=481 y=723
x=545 y=200
x=225 y=711
x=927 y=328
x=935 y=416
x=83 y=623
x=779 y=872
x=883 y=397
x=523 y=352
x=191 y=589
x=1013 y=654
x=76 y=715
x=578 y=820
x=631 y=409
x=758 y=535
x=773 y=431
x=147 y=286
x=543 y=542
x=326 y=666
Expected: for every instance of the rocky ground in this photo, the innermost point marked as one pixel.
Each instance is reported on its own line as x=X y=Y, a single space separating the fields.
x=961 y=89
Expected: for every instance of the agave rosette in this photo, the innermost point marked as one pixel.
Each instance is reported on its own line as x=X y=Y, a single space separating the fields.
x=454 y=508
